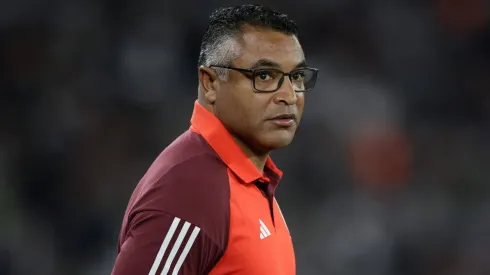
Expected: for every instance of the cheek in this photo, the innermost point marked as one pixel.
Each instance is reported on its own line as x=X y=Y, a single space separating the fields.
x=300 y=104
x=236 y=108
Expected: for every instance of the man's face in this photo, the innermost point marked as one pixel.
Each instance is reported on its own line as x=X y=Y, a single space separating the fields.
x=250 y=115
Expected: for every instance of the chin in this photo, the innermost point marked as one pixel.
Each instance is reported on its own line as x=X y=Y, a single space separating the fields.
x=277 y=139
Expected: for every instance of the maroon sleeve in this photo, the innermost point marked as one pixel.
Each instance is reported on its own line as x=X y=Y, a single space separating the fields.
x=180 y=224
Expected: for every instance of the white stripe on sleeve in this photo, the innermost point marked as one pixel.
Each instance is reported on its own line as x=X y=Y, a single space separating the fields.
x=176 y=247
x=164 y=246
x=186 y=250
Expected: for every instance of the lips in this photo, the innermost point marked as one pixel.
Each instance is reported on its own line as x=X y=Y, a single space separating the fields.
x=284 y=120
x=285 y=116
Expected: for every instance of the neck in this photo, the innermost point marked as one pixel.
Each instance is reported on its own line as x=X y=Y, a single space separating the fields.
x=257 y=159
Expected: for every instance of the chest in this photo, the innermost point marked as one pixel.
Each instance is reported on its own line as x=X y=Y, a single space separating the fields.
x=259 y=240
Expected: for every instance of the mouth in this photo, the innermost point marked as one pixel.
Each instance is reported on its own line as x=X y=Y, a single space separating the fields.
x=284 y=120
x=285 y=116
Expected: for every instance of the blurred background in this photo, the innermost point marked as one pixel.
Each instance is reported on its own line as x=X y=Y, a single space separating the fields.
x=388 y=174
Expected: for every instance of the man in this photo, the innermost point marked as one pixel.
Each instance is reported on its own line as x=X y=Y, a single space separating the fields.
x=206 y=205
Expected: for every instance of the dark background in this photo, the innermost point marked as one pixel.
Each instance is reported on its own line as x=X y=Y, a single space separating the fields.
x=388 y=174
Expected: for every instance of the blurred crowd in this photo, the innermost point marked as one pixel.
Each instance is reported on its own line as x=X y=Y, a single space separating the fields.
x=388 y=174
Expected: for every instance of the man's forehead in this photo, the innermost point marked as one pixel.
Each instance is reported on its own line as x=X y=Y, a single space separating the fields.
x=271 y=45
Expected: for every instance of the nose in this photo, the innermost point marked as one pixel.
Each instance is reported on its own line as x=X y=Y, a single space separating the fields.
x=286 y=94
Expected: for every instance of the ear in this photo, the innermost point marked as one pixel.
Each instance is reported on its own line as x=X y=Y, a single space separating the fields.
x=209 y=83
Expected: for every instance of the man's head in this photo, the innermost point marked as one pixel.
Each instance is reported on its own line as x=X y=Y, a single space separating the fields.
x=260 y=108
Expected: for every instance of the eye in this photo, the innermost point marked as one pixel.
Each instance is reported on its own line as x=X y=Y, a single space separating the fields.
x=264 y=75
x=300 y=75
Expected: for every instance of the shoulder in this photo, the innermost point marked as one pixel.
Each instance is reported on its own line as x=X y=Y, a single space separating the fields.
x=188 y=180
x=182 y=204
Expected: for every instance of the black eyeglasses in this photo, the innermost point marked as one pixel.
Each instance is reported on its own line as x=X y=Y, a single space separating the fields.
x=270 y=80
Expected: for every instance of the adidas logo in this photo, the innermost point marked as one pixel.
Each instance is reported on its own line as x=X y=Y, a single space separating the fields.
x=264 y=231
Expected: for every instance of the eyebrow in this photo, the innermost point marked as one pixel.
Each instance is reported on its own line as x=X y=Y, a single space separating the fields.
x=269 y=63
x=265 y=63
x=301 y=64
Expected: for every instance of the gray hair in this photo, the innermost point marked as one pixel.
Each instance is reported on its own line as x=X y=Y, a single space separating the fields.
x=220 y=43
x=221 y=53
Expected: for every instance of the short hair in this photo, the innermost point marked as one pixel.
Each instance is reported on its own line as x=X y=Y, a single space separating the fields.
x=219 y=45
